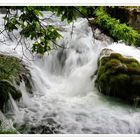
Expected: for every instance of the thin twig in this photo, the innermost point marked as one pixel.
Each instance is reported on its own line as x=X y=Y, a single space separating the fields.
x=57 y=44
x=27 y=48
x=47 y=18
x=18 y=42
x=3 y=33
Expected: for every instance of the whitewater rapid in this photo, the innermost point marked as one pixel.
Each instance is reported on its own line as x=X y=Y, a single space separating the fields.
x=64 y=98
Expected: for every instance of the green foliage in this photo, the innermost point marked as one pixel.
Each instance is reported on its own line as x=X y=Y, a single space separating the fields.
x=29 y=23
x=65 y=12
x=88 y=11
x=115 y=29
x=45 y=42
x=30 y=26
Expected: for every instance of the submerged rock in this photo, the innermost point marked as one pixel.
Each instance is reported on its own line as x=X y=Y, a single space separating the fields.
x=118 y=76
x=12 y=72
x=47 y=126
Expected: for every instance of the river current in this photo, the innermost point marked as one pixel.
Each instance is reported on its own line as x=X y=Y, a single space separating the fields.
x=64 y=98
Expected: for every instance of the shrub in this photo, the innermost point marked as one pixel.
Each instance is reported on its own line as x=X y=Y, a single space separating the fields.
x=115 y=29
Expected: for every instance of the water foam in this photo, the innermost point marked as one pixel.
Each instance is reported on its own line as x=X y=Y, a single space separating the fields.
x=64 y=98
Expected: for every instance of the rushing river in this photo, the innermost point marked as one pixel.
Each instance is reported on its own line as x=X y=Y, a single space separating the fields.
x=64 y=98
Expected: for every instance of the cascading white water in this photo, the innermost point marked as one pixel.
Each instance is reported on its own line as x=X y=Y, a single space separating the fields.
x=64 y=98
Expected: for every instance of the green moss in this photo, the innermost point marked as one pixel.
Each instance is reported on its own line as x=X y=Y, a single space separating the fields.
x=119 y=80
x=9 y=67
x=103 y=60
x=116 y=55
x=119 y=76
x=112 y=63
x=101 y=71
x=12 y=71
x=133 y=65
x=128 y=60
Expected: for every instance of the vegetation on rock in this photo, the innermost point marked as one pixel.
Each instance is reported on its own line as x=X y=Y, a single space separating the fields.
x=126 y=14
x=7 y=88
x=115 y=29
x=119 y=76
x=12 y=72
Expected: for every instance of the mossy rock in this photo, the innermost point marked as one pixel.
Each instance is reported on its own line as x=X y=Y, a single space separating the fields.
x=12 y=72
x=119 y=76
x=7 y=88
x=12 y=68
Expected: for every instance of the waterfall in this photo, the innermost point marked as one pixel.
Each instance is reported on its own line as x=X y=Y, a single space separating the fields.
x=64 y=98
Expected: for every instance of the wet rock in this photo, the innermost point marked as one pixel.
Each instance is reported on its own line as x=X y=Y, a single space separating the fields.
x=48 y=126
x=7 y=88
x=62 y=55
x=43 y=129
x=118 y=76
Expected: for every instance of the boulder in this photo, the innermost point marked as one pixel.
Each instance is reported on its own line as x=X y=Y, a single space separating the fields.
x=118 y=76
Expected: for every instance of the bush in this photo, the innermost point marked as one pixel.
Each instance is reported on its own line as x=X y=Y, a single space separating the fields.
x=115 y=29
